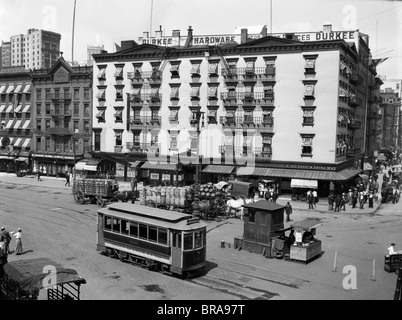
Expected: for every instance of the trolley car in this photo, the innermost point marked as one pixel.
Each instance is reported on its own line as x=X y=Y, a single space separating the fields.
x=160 y=240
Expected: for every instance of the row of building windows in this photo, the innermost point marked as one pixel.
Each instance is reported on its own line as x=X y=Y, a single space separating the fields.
x=60 y=145
x=63 y=93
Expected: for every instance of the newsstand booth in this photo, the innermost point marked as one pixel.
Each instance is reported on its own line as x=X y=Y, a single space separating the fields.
x=305 y=247
x=23 y=280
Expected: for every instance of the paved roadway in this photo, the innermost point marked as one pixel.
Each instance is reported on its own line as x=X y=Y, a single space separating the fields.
x=57 y=228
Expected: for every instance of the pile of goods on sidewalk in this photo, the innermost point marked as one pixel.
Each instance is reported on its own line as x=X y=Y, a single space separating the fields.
x=165 y=196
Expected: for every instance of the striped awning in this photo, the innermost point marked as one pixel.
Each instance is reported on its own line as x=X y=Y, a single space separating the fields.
x=9 y=108
x=18 y=142
x=135 y=164
x=218 y=169
x=159 y=166
x=26 y=125
x=26 y=143
x=18 y=109
x=2 y=108
x=18 y=89
x=27 y=108
x=2 y=89
x=17 y=124
x=341 y=175
x=9 y=124
x=27 y=89
x=10 y=89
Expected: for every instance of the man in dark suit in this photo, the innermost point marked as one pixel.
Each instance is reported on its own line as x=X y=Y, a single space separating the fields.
x=6 y=238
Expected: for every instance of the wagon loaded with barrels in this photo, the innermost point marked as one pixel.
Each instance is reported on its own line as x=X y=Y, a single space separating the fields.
x=212 y=201
x=99 y=191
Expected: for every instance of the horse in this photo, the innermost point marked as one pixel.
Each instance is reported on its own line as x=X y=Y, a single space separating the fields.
x=234 y=206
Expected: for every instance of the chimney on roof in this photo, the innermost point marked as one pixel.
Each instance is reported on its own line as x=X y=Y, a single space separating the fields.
x=158 y=34
x=243 y=35
x=189 y=36
x=127 y=44
x=145 y=34
x=327 y=28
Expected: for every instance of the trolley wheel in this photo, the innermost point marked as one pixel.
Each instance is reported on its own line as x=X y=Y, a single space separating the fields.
x=100 y=202
x=79 y=197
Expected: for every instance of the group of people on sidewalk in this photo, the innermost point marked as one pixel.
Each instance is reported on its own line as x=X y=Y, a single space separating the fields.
x=337 y=202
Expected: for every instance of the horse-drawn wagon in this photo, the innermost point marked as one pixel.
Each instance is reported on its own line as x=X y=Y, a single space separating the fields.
x=99 y=191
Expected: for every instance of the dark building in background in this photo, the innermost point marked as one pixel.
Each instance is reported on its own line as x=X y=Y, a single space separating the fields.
x=62 y=104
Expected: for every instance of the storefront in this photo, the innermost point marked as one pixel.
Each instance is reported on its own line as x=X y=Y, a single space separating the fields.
x=159 y=173
x=52 y=164
x=216 y=173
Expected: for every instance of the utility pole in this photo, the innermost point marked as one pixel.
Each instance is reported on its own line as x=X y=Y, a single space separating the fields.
x=72 y=45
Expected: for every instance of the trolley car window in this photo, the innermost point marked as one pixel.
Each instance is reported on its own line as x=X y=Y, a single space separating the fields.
x=108 y=223
x=116 y=225
x=143 y=231
x=198 y=239
x=152 y=234
x=188 y=241
x=162 y=236
x=134 y=229
x=125 y=227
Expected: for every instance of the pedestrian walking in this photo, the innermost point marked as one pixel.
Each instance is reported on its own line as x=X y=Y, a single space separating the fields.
x=39 y=179
x=310 y=200
x=315 y=195
x=355 y=197
x=6 y=238
x=274 y=196
x=361 y=200
x=288 y=211
x=331 y=202
x=337 y=203
x=18 y=241
x=371 y=200
x=343 y=202
x=67 y=179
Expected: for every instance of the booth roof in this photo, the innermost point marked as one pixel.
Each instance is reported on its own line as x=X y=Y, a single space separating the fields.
x=264 y=205
x=307 y=224
x=29 y=274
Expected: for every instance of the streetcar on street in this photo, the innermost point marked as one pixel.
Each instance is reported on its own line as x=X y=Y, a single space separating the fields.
x=160 y=240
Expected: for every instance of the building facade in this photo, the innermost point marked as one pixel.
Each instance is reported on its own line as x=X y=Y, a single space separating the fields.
x=390 y=110
x=5 y=54
x=287 y=109
x=34 y=50
x=93 y=50
x=62 y=117
x=15 y=119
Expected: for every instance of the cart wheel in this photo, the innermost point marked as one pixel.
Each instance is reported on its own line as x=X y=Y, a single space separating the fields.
x=100 y=202
x=79 y=197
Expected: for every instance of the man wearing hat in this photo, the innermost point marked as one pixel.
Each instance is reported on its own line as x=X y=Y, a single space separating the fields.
x=6 y=238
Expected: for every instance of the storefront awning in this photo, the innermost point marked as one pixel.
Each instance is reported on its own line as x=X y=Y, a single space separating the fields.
x=300 y=183
x=79 y=166
x=22 y=159
x=92 y=164
x=135 y=164
x=218 y=169
x=26 y=143
x=2 y=89
x=159 y=166
x=341 y=175
x=27 y=108
x=2 y=108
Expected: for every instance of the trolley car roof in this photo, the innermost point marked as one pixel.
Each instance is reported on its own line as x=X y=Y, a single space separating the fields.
x=154 y=216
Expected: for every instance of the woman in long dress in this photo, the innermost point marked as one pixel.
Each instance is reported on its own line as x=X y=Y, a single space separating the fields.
x=18 y=241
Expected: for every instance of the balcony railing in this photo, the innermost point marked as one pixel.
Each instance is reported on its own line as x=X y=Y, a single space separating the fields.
x=268 y=95
x=353 y=151
x=355 y=101
x=65 y=96
x=355 y=124
x=145 y=120
x=60 y=131
x=60 y=113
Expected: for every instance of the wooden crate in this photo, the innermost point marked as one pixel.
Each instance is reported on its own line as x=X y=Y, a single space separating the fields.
x=392 y=262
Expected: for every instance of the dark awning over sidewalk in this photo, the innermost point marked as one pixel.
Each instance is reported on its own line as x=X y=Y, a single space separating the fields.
x=218 y=169
x=342 y=175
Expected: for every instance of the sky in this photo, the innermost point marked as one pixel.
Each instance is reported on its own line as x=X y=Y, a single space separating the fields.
x=105 y=22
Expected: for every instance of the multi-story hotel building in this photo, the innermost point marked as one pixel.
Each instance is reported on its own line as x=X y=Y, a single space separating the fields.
x=15 y=119
x=61 y=117
x=273 y=107
x=34 y=50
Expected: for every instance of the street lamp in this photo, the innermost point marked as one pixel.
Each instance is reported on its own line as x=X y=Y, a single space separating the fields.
x=198 y=121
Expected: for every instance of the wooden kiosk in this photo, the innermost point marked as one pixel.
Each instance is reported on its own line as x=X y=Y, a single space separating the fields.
x=263 y=220
x=305 y=246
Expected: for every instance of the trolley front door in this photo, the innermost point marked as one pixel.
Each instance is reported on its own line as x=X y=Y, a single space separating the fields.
x=176 y=249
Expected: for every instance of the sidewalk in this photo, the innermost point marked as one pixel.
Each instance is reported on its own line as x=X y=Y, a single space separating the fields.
x=298 y=206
